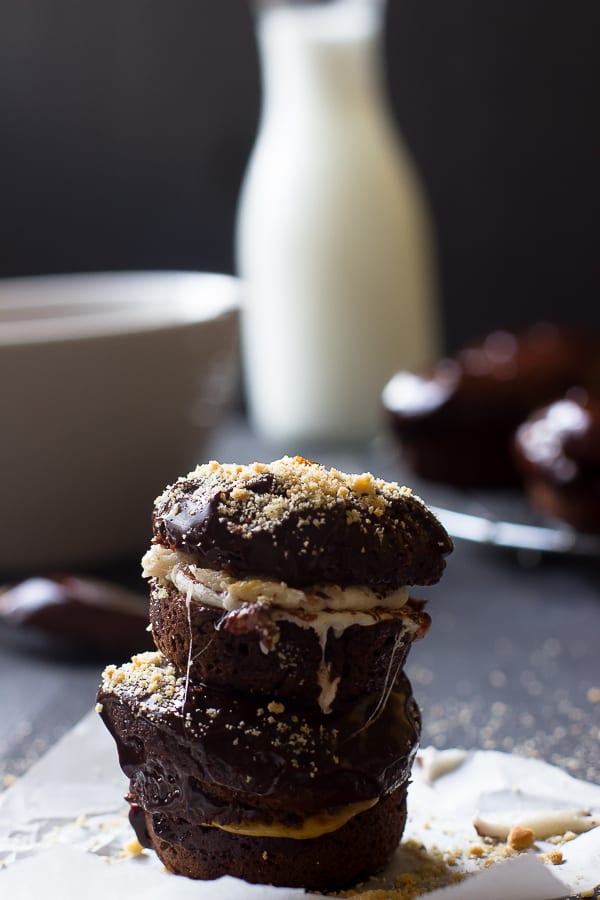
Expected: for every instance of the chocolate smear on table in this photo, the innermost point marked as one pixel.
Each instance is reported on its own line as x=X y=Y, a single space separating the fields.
x=84 y=614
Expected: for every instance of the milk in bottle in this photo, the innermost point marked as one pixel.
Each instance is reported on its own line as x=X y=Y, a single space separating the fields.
x=333 y=237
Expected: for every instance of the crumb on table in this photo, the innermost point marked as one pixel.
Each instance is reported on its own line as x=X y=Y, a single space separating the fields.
x=520 y=838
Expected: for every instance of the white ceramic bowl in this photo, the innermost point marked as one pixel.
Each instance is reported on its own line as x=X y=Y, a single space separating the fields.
x=109 y=384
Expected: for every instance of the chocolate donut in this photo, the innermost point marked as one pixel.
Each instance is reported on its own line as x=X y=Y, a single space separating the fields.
x=320 y=659
x=301 y=523
x=202 y=759
x=456 y=420
x=558 y=453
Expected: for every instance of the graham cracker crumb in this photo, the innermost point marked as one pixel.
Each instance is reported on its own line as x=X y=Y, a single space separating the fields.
x=133 y=848
x=554 y=856
x=430 y=869
x=520 y=838
x=562 y=838
x=309 y=488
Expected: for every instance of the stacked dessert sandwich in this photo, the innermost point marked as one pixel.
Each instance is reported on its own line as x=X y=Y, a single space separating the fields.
x=271 y=735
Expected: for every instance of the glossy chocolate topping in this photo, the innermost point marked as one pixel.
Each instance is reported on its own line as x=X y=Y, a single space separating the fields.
x=562 y=441
x=299 y=522
x=210 y=755
x=495 y=382
x=89 y=614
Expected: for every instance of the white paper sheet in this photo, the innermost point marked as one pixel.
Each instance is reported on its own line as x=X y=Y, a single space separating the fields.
x=63 y=827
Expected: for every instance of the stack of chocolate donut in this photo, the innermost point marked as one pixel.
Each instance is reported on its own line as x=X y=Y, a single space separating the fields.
x=271 y=735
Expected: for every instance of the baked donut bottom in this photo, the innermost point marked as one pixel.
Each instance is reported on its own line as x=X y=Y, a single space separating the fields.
x=333 y=861
x=320 y=660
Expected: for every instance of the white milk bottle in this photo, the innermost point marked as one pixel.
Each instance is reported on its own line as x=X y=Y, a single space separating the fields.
x=333 y=237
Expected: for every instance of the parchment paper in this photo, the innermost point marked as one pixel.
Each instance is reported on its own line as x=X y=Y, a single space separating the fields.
x=64 y=828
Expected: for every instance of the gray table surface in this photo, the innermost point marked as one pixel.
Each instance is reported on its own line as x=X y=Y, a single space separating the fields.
x=511 y=661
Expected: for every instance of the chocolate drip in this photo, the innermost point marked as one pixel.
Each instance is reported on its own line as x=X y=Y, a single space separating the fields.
x=137 y=820
x=223 y=755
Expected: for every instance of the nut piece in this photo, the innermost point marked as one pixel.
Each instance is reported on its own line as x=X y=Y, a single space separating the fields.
x=555 y=857
x=520 y=838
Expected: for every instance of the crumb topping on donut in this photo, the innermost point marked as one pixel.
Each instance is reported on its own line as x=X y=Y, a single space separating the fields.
x=265 y=492
x=302 y=523
x=145 y=675
x=228 y=729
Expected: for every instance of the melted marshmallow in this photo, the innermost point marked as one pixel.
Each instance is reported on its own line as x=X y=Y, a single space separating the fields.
x=322 y=608
x=213 y=588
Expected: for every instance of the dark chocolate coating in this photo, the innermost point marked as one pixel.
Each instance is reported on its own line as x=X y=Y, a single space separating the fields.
x=562 y=441
x=307 y=543
x=85 y=613
x=475 y=401
x=225 y=757
x=558 y=452
x=226 y=651
x=360 y=848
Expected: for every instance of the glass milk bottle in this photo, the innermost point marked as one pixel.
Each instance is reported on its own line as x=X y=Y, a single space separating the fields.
x=333 y=237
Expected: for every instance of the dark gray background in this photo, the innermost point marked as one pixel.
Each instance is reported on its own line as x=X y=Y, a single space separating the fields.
x=126 y=125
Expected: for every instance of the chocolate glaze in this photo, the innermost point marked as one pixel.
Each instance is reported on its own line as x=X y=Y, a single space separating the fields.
x=498 y=380
x=137 y=820
x=562 y=441
x=480 y=396
x=88 y=613
x=558 y=452
x=306 y=545
x=226 y=757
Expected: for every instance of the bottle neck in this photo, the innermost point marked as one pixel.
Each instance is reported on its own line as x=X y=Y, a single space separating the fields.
x=327 y=55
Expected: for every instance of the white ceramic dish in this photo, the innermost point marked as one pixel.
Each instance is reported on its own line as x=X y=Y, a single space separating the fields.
x=109 y=384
